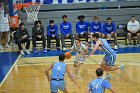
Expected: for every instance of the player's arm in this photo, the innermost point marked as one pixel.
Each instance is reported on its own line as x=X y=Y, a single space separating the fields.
x=86 y=50
x=112 y=91
x=71 y=76
x=47 y=72
x=87 y=90
x=94 y=49
x=99 y=48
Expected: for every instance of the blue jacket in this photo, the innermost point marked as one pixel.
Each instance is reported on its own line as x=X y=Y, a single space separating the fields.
x=95 y=27
x=65 y=28
x=82 y=27
x=107 y=29
x=52 y=30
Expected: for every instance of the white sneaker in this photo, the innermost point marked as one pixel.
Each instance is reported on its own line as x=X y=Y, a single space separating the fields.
x=116 y=47
x=1 y=48
x=64 y=49
x=28 y=52
x=21 y=52
x=121 y=67
x=7 y=46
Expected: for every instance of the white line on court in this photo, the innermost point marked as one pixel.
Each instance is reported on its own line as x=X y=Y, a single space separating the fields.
x=10 y=70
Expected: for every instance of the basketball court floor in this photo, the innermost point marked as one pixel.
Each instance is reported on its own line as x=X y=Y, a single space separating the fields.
x=25 y=74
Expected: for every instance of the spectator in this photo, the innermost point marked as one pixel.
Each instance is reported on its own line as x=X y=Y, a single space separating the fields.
x=109 y=29
x=95 y=27
x=38 y=34
x=66 y=31
x=82 y=28
x=52 y=33
x=133 y=28
x=4 y=26
x=22 y=36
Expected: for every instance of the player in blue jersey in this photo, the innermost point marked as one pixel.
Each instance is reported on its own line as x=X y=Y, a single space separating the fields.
x=110 y=57
x=99 y=84
x=57 y=77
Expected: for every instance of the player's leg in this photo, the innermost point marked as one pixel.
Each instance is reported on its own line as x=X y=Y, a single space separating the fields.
x=57 y=42
x=104 y=36
x=62 y=86
x=91 y=39
x=114 y=35
x=54 y=86
x=77 y=66
x=138 y=38
x=72 y=39
x=129 y=35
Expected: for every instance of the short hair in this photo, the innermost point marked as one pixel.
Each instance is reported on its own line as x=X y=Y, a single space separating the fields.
x=99 y=72
x=109 y=18
x=95 y=18
x=51 y=21
x=38 y=21
x=64 y=16
x=61 y=57
x=132 y=16
x=21 y=24
x=81 y=16
x=96 y=35
x=78 y=39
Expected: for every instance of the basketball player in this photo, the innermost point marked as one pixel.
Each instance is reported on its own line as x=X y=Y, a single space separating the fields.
x=57 y=77
x=110 y=57
x=99 y=84
x=81 y=51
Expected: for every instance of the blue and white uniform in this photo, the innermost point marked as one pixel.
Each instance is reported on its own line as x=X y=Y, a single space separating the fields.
x=99 y=85
x=110 y=56
x=80 y=53
x=57 y=76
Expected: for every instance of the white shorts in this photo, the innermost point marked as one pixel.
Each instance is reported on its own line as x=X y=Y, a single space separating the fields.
x=4 y=27
x=79 y=58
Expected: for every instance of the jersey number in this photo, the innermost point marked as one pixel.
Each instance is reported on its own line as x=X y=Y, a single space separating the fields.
x=58 y=68
x=95 y=86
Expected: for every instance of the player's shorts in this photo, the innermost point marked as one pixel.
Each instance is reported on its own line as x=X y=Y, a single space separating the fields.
x=80 y=59
x=4 y=27
x=110 y=59
x=57 y=84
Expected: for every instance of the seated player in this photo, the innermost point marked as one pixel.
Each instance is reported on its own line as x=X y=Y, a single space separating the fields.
x=133 y=28
x=38 y=35
x=82 y=28
x=109 y=29
x=22 y=36
x=66 y=32
x=56 y=79
x=52 y=33
x=109 y=59
x=95 y=27
x=99 y=84
x=81 y=51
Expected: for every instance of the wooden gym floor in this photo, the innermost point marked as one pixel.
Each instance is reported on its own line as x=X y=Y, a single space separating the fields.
x=28 y=75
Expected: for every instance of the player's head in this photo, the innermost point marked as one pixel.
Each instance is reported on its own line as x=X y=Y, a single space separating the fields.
x=38 y=23
x=96 y=18
x=61 y=57
x=99 y=72
x=81 y=18
x=96 y=36
x=51 y=23
x=2 y=5
x=133 y=18
x=77 y=42
x=21 y=25
x=64 y=17
x=109 y=20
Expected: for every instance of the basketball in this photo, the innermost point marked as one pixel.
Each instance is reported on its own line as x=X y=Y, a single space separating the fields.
x=67 y=55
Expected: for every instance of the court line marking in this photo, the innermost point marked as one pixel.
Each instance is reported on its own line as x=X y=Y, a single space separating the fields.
x=10 y=70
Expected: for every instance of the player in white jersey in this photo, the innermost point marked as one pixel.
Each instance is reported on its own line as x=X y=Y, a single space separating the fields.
x=4 y=25
x=81 y=51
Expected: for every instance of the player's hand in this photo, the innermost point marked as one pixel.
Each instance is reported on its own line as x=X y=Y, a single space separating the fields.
x=53 y=35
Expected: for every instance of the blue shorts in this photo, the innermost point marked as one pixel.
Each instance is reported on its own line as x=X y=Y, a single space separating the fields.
x=110 y=59
x=55 y=85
